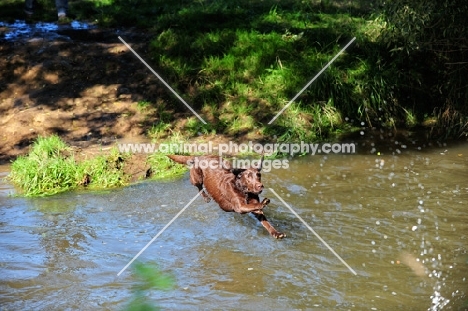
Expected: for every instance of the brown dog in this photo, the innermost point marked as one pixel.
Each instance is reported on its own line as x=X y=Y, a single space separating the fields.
x=234 y=189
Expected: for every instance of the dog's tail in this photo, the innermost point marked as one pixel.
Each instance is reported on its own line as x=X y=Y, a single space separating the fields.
x=181 y=159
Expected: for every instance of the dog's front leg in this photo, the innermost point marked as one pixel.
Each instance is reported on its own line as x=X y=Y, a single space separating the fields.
x=242 y=207
x=265 y=223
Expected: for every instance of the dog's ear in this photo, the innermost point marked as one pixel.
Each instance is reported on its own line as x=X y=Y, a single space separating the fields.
x=237 y=171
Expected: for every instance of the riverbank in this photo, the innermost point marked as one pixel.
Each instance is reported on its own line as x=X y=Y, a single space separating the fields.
x=78 y=86
x=236 y=66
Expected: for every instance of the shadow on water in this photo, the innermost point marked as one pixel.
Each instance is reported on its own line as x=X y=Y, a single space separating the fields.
x=399 y=220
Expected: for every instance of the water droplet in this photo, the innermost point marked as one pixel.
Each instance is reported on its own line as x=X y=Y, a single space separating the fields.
x=377 y=223
x=414 y=228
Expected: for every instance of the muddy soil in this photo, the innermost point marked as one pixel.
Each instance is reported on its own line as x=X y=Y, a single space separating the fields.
x=82 y=84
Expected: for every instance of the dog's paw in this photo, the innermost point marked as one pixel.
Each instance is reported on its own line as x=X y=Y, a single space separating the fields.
x=207 y=199
x=278 y=235
x=265 y=202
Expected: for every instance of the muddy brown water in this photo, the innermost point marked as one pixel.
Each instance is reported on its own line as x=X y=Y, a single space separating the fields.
x=399 y=220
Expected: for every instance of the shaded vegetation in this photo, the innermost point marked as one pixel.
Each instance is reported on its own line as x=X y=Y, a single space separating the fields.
x=427 y=43
x=239 y=63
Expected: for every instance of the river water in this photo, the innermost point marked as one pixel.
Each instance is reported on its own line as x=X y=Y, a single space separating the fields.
x=20 y=30
x=398 y=219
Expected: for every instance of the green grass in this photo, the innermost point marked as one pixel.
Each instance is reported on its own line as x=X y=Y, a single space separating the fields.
x=249 y=71
x=51 y=168
x=161 y=166
x=46 y=169
x=105 y=171
x=238 y=63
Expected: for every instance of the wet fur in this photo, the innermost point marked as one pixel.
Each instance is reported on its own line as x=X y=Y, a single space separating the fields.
x=235 y=190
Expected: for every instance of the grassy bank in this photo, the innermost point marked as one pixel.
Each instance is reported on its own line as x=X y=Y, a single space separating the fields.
x=239 y=63
x=51 y=167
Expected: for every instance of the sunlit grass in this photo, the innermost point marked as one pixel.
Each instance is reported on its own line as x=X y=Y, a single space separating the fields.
x=249 y=58
x=46 y=170
x=51 y=168
x=105 y=171
x=162 y=167
x=246 y=58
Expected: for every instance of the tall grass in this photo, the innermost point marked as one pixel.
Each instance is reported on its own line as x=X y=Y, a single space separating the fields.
x=51 y=168
x=46 y=169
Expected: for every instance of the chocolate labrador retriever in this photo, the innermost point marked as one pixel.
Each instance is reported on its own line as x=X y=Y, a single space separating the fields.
x=234 y=189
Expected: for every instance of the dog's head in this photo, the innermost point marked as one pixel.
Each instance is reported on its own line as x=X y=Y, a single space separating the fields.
x=249 y=180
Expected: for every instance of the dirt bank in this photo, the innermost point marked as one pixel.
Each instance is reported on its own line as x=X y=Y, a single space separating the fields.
x=83 y=85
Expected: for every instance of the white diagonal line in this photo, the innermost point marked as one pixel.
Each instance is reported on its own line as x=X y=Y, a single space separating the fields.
x=162 y=80
x=313 y=231
x=159 y=233
x=313 y=79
